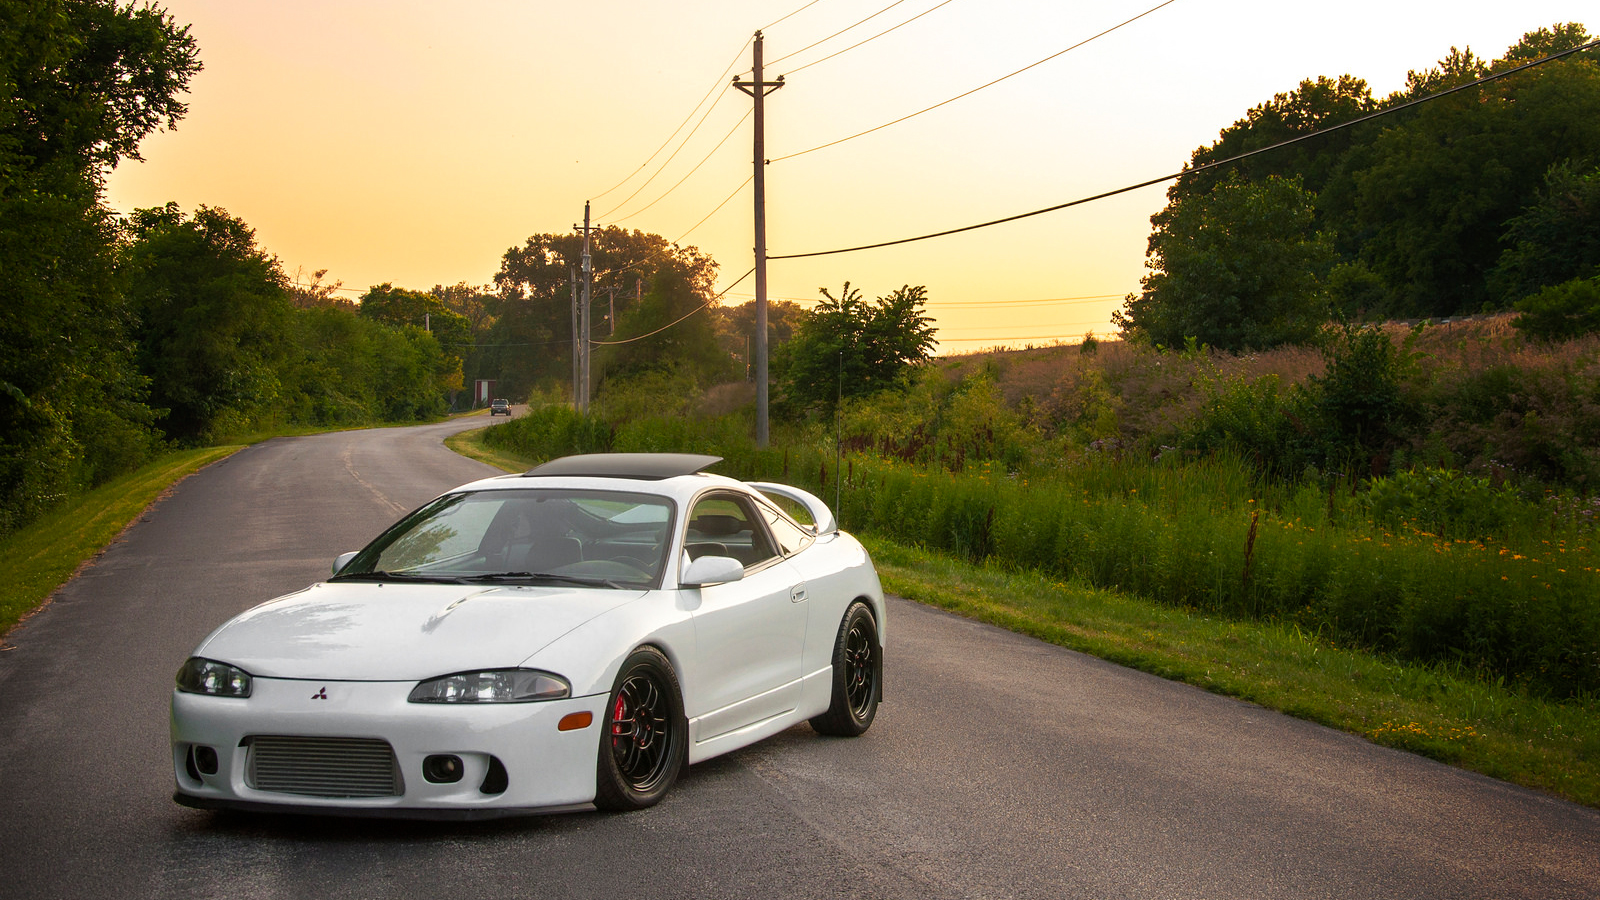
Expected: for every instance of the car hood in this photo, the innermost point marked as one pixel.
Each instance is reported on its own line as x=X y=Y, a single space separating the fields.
x=402 y=632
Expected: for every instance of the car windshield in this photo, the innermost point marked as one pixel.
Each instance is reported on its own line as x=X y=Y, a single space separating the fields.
x=608 y=539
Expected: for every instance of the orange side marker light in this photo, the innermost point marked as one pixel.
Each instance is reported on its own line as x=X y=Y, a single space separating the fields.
x=576 y=721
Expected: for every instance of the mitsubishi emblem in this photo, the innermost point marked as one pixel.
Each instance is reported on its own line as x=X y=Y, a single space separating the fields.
x=321 y=694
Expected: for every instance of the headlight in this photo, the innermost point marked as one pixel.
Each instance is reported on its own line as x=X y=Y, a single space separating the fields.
x=494 y=686
x=203 y=676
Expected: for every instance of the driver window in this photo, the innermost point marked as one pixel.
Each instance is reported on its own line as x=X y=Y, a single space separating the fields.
x=722 y=525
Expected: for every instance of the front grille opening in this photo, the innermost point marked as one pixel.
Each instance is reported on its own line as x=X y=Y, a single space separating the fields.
x=495 y=781
x=332 y=767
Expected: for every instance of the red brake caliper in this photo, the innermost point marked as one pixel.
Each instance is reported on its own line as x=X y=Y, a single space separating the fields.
x=616 y=719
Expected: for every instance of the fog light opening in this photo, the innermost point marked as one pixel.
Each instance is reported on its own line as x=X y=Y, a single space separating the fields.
x=442 y=768
x=496 y=781
x=202 y=760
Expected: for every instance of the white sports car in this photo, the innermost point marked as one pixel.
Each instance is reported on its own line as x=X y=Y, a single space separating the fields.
x=537 y=643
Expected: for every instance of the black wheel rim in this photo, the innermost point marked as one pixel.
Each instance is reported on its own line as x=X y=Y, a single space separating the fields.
x=860 y=667
x=641 y=731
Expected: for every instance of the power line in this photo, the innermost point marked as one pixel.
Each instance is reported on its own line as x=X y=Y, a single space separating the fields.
x=1040 y=337
x=978 y=88
x=696 y=168
x=836 y=33
x=668 y=161
x=1207 y=166
x=675 y=321
x=717 y=210
x=1022 y=337
x=989 y=304
x=801 y=9
x=716 y=84
x=868 y=40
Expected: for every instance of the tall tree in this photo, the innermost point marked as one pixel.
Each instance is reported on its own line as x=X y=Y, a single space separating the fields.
x=214 y=321
x=85 y=82
x=670 y=330
x=1434 y=202
x=1555 y=239
x=1239 y=268
x=532 y=336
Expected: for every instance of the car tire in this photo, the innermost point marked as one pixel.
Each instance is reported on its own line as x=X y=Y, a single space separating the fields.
x=857 y=676
x=645 y=738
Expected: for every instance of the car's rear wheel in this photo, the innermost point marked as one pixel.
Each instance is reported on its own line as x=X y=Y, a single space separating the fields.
x=857 y=676
x=645 y=740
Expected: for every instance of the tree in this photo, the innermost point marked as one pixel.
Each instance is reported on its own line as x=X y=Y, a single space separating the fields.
x=736 y=327
x=670 y=330
x=533 y=312
x=311 y=292
x=1433 y=202
x=214 y=323
x=851 y=347
x=1561 y=312
x=1555 y=239
x=1241 y=268
x=1314 y=105
x=86 y=81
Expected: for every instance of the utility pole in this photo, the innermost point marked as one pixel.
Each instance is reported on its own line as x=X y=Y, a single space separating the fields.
x=758 y=89
x=577 y=367
x=612 y=315
x=583 y=314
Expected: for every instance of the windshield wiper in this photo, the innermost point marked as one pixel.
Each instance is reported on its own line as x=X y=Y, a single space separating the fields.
x=395 y=576
x=543 y=576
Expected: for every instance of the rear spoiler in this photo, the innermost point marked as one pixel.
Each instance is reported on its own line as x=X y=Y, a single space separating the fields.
x=820 y=514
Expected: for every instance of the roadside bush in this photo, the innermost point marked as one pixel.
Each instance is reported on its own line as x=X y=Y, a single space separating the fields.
x=1561 y=312
x=1255 y=420
x=551 y=431
x=1447 y=503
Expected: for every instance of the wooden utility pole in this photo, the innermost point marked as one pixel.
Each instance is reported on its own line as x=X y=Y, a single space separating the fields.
x=577 y=352
x=758 y=90
x=583 y=314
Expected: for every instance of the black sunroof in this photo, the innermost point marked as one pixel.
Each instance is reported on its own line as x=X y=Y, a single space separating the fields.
x=646 y=466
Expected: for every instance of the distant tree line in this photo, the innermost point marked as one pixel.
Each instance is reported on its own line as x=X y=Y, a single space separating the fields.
x=1478 y=201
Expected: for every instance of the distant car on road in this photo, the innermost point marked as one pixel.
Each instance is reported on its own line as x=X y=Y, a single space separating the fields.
x=499 y=407
x=533 y=643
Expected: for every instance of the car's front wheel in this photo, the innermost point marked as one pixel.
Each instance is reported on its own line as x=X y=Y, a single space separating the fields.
x=645 y=740
x=857 y=676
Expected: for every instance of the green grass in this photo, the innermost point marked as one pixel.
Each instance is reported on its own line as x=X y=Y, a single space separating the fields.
x=470 y=444
x=1454 y=716
x=1488 y=727
x=41 y=557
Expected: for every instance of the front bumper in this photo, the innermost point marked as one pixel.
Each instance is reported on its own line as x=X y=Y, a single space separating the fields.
x=542 y=769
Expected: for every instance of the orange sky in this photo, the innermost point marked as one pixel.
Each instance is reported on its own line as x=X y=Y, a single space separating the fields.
x=414 y=142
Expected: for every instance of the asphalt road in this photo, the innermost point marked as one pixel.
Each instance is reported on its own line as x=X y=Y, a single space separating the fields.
x=998 y=766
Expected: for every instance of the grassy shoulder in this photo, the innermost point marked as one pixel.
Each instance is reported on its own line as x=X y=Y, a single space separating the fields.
x=470 y=444
x=1491 y=728
x=41 y=557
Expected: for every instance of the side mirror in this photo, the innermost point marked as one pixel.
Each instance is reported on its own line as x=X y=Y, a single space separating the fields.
x=712 y=570
x=343 y=560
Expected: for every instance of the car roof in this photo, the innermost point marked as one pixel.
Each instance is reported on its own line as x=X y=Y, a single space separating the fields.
x=635 y=466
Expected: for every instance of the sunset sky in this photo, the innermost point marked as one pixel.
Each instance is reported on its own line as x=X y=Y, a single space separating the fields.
x=413 y=143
